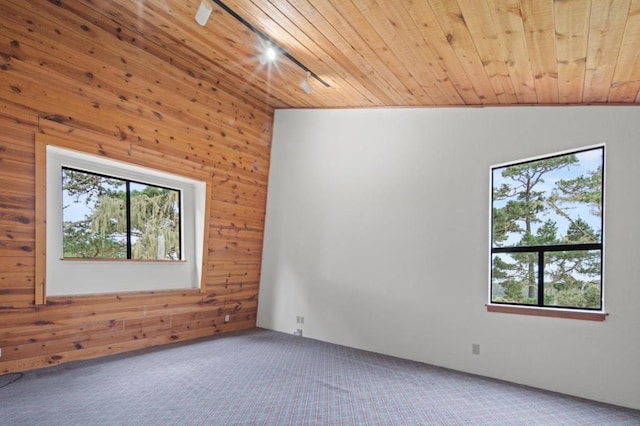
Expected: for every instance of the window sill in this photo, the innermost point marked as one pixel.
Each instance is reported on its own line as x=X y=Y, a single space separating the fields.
x=97 y=259
x=122 y=295
x=544 y=312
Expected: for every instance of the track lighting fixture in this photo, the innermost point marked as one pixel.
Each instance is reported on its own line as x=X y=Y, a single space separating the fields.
x=203 y=12
x=268 y=56
x=304 y=84
x=273 y=49
x=271 y=54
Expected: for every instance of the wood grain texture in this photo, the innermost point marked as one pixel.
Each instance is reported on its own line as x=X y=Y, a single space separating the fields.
x=539 y=30
x=626 y=78
x=572 y=31
x=605 y=36
x=481 y=24
x=371 y=53
x=98 y=80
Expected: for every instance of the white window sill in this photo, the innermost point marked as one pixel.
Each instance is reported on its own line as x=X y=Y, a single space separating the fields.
x=548 y=312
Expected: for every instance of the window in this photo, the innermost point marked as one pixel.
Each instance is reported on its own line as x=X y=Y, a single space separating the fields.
x=107 y=217
x=546 y=231
x=110 y=222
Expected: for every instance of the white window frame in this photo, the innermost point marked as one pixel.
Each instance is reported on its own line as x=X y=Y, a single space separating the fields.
x=560 y=312
x=71 y=277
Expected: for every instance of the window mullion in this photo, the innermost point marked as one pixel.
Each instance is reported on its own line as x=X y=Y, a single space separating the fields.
x=540 y=278
x=128 y=218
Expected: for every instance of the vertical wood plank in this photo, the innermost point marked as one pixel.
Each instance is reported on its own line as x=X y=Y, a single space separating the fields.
x=605 y=36
x=378 y=45
x=207 y=228
x=41 y=222
x=453 y=24
x=539 y=29
x=626 y=78
x=433 y=36
x=508 y=18
x=572 y=31
x=479 y=20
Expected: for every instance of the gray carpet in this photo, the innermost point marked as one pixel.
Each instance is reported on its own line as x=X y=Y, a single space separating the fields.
x=261 y=377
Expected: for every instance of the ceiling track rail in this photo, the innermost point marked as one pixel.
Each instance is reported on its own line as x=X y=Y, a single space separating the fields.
x=266 y=38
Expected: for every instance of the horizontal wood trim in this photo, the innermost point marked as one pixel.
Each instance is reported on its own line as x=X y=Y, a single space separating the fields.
x=541 y=312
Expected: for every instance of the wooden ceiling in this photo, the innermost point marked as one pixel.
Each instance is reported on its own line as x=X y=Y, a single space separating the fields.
x=401 y=52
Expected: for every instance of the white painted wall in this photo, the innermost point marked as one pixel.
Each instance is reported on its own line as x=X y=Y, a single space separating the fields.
x=377 y=233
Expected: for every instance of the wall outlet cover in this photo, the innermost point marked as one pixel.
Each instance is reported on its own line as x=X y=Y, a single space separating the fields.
x=475 y=349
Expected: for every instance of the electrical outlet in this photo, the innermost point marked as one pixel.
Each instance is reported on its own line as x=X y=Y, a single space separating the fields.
x=475 y=349
x=0 y=352
x=299 y=319
x=226 y=318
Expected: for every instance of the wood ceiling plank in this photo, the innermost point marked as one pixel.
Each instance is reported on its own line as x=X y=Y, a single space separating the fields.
x=388 y=56
x=539 y=26
x=345 y=39
x=626 y=78
x=608 y=19
x=372 y=52
x=507 y=17
x=479 y=21
x=433 y=36
x=452 y=23
x=397 y=29
x=233 y=56
x=572 y=31
x=321 y=39
x=334 y=45
x=278 y=81
x=423 y=53
x=283 y=29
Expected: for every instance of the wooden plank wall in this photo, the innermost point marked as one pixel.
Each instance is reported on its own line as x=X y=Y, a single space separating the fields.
x=74 y=78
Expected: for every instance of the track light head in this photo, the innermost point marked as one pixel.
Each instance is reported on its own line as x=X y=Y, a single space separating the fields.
x=269 y=55
x=304 y=84
x=203 y=12
x=272 y=49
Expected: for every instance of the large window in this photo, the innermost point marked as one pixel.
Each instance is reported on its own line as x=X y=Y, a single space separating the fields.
x=116 y=227
x=547 y=229
x=106 y=217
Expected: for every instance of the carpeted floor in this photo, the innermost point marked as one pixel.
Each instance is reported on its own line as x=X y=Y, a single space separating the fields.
x=261 y=377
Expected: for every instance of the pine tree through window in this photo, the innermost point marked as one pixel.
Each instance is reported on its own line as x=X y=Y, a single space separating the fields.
x=547 y=226
x=106 y=217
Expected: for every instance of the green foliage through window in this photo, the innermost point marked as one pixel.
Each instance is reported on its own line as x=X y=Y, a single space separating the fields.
x=547 y=217
x=110 y=218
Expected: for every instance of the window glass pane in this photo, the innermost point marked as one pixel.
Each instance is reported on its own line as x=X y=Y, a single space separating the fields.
x=555 y=200
x=155 y=222
x=514 y=278
x=573 y=279
x=93 y=215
